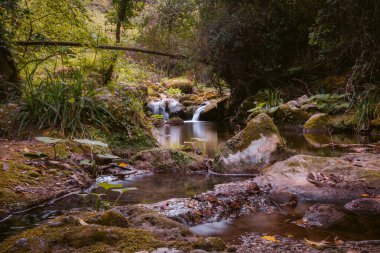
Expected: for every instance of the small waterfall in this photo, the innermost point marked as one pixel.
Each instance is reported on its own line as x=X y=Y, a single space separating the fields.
x=165 y=107
x=198 y=112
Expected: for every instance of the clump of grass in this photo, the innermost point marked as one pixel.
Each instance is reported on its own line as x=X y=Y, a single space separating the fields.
x=67 y=105
x=366 y=110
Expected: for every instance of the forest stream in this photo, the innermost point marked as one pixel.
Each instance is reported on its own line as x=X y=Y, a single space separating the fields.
x=152 y=188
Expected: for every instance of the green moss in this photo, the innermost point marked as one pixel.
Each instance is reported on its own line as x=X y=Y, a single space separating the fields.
x=110 y=218
x=210 y=244
x=261 y=125
x=285 y=114
x=85 y=238
x=317 y=123
x=344 y=122
x=62 y=151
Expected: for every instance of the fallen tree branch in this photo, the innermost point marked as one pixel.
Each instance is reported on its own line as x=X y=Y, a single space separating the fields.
x=106 y=47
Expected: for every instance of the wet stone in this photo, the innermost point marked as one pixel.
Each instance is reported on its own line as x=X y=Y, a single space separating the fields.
x=322 y=216
x=364 y=206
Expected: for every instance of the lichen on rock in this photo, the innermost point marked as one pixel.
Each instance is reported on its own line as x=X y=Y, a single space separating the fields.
x=318 y=123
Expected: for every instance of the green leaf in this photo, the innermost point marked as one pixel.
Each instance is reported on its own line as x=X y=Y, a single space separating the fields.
x=106 y=186
x=91 y=143
x=48 y=140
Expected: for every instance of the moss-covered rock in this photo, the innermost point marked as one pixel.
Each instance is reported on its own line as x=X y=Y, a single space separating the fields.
x=288 y=114
x=168 y=160
x=345 y=122
x=185 y=85
x=318 y=123
x=210 y=244
x=255 y=147
x=80 y=237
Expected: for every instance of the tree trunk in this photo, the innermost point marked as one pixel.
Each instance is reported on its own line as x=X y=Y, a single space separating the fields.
x=9 y=79
x=121 y=16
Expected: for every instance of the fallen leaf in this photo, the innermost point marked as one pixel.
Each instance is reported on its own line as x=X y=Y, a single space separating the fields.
x=269 y=238
x=320 y=244
x=123 y=165
x=364 y=195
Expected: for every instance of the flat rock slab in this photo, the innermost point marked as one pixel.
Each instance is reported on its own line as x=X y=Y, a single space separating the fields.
x=325 y=178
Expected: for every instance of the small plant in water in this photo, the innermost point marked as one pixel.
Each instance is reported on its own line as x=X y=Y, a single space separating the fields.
x=103 y=204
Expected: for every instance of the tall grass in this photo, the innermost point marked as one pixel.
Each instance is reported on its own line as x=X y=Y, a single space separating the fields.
x=66 y=105
x=366 y=110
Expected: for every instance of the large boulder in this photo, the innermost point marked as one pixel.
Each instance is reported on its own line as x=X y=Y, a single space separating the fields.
x=324 y=178
x=183 y=84
x=215 y=111
x=258 y=145
x=288 y=114
x=318 y=123
x=168 y=161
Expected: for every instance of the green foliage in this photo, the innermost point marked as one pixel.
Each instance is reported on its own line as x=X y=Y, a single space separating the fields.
x=174 y=91
x=65 y=104
x=267 y=99
x=328 y=103
x=157 y=116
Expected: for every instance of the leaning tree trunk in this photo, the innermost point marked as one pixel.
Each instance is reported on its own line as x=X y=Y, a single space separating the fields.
x=9 y=79
x=120 y=19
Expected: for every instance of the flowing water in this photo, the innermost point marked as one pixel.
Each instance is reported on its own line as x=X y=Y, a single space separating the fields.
x=207 y=136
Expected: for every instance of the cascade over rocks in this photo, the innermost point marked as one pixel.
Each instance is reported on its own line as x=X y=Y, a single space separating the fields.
x=258 y=145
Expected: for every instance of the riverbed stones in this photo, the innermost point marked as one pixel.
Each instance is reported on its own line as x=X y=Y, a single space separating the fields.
x=322 y=216
x=169 y=160
x=226 y=200
x=324 y=178
x=364 y=206
x=258 y=145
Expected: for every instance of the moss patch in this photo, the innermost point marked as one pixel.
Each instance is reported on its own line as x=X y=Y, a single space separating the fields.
x=83 y=238
x=317 y=123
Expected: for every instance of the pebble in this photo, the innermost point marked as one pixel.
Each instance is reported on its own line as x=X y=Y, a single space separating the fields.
x=198 y=251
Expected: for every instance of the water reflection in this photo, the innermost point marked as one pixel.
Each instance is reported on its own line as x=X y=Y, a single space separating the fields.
x=204 y=135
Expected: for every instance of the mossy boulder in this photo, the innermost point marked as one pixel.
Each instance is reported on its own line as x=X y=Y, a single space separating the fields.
x=255 y=147
x=185 y=85
x=210 y=244
x=168 y=161
x=318 y=123
x=345 y=122
x=215 y=111
x=316 y=178
x=289 y=114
